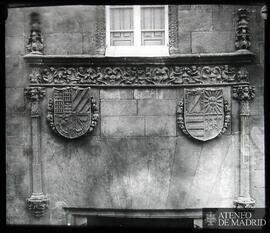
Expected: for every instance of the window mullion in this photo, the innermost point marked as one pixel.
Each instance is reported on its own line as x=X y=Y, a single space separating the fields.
x=137 y=25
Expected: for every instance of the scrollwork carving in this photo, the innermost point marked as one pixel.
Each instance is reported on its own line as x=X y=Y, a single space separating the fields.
x=135 y=75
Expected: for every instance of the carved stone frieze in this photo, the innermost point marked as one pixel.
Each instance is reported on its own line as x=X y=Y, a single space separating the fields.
x=35 y=41
x=242 y=31
x=37 y=204
x=203 y=113
x=72 y=112
x=139 y=75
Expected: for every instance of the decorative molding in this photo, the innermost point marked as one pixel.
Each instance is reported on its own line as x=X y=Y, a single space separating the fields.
x=37 y=204
x=74 y=129
x=100 y=35
x=180 y=116
x=173 y=29
x=242 y=31
x=138 y=75
x=35 y=41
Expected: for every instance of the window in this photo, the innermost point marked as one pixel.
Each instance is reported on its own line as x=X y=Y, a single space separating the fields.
x=137 y=30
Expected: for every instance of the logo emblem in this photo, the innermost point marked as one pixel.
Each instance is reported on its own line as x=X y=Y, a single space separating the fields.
x=72 y=112
x=203 y=114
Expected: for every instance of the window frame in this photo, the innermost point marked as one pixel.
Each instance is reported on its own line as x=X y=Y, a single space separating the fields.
x=137 y=49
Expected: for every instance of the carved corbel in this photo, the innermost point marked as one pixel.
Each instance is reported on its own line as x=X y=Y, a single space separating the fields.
x=38 y=202
x=244 y=94
x=35 y=42
x=242 y=31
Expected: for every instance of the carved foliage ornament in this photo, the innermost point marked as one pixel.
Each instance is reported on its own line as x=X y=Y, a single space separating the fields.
x=242 y=31
x=244 y=92
x=203 y=114
x=34 y=94
x=37 y=204
x=72 y=112
x=139 y=75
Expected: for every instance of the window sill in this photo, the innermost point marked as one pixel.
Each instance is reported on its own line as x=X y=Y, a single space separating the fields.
x=137 y=51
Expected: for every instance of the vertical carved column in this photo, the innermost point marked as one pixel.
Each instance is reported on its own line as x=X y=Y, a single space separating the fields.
x=100 y=38
x=173 y=29
x=244 y=94
x=242 y=31
x=37 y=202
x=35 y=41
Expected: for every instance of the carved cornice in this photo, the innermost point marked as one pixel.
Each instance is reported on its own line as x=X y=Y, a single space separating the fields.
x=138 y=75
x=244 y=92
x=239 y=57
x=242 y=31
x=37 y=204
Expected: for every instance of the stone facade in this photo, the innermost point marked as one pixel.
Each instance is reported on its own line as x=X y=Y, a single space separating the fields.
x=136 y=157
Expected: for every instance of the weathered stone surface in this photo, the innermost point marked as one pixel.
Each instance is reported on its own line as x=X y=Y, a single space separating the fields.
x=184 y=41
x=116 y=93
x=160 y=126
x=14 y=75
x=223 y=20
x=156 y=107
x=15 y=101
x=14 y=46
x=88 y=41
x=210 y=42
x=63 y=43
x=258 y=178
x=191 y=20
x=15 y=22
x=118 y=107
x=122 y=126
x=159 y=93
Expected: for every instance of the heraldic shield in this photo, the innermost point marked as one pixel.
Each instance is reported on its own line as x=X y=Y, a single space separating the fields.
x=203 y=113
x=72 y=111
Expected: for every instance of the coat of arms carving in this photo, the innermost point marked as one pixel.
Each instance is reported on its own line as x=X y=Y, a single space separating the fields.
x=72 y=112
x=204 y=113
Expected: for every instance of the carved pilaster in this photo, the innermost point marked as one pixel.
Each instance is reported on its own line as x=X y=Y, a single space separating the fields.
x=35 y=41
x=244 y=94
x=100 y=37
x=37 y=202
x=242 y=31
x=173 y=29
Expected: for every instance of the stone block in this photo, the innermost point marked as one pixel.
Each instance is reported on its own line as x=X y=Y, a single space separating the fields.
x=183 y=7
x=212 y=42
x=160 y=93
x=191 y=21
x=15 y=22
x=14 y=46
x=15 y=100
x=205 y=7
x=122 y=126
x=259 y=179
x=223 y=20
x=88 y=40
x=68 y=19
x=14 y=125
x=160 y=126
x=15 y=76
x=157 y=107
x=116 y=93
x=118 y=107
x=63 y=43
x=184 y=45
x=259 y=195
